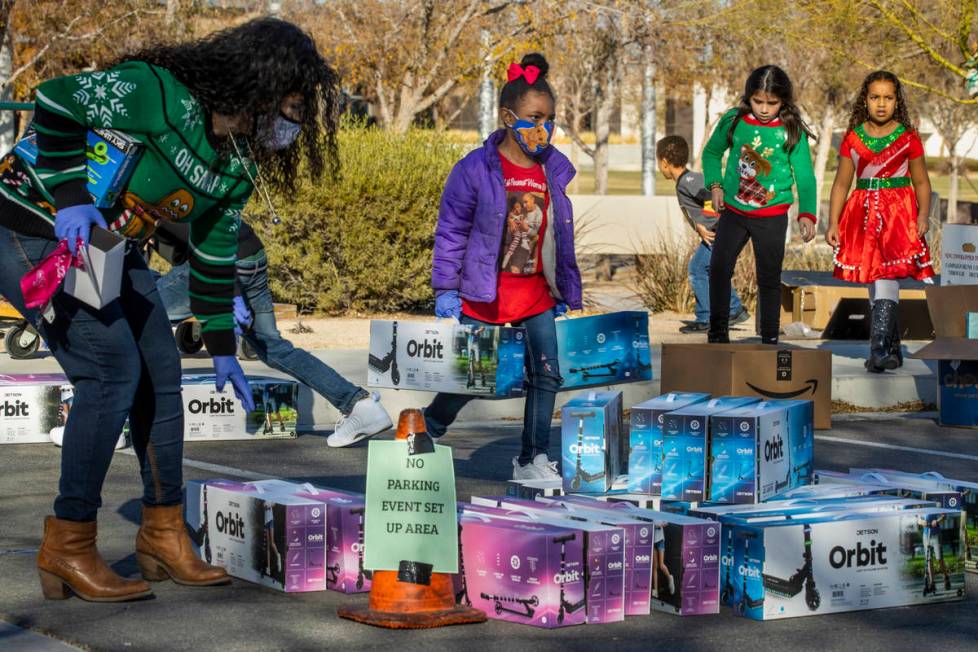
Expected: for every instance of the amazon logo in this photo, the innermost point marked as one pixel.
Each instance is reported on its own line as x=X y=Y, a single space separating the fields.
x=811 y=385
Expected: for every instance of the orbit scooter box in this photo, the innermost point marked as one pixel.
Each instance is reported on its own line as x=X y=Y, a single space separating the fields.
x=523 y=572
x=209 y=415
x=645 y=439
x=604 y=349
x=30 y=407
x=904 y=487
x=268 y=538
x=759 y=451
x=530 y=489
x=603 y=557
x=686 y=447
x=447 y=357
x=969 y=504
x=592 y=442
x=638 y=544
x=848 y=562
x=345 y=549
x=685 y=558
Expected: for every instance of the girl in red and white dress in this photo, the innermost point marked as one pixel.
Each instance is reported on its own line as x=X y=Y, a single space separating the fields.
x=878 y=233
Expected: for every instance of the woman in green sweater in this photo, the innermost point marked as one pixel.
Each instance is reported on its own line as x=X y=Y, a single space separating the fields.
x=768 y=143
x=208 y=115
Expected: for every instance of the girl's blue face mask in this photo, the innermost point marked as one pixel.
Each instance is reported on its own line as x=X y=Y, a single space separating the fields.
x=532 y=137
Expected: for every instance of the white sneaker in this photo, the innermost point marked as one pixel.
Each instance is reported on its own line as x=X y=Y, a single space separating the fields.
x=367 y=418
x=540 y=469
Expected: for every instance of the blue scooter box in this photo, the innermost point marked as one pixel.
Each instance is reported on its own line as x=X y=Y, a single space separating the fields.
x=591 y=442
x=604 y=349
x=645 y=439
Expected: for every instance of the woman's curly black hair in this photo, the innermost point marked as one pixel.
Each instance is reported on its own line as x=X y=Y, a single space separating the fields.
x=859 y=113
x=248 y=70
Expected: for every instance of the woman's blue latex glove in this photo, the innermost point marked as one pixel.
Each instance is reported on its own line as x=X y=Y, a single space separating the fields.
x=560 y=309
x=242 y=315
x=75 y=223
x=227 y=368
x=447 y=304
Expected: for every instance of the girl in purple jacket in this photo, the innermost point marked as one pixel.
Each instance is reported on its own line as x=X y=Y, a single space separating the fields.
x=516 y=164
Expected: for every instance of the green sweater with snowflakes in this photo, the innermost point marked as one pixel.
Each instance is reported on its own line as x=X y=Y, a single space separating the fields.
x=760 y=173
x=179 y=176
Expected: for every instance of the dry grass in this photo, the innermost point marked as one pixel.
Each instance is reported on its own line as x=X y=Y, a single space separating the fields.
x=662 y=279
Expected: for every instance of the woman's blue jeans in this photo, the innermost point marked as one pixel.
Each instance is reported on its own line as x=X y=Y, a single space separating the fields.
x=542 y=380
x=123 y=362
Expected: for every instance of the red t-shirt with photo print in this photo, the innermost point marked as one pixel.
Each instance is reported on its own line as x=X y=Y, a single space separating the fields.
x=522 y=289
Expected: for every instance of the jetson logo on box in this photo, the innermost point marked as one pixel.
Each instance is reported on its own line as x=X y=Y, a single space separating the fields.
x=12 y=409
x=212 y=406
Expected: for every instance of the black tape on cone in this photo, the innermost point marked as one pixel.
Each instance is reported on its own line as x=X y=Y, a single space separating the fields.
x=414 y=572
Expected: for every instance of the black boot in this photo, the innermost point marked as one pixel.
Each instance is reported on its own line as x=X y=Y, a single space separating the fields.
x=895 y=346
x=883 y=324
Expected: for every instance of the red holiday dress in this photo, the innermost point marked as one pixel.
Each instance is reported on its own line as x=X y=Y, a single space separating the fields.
x=878 y=228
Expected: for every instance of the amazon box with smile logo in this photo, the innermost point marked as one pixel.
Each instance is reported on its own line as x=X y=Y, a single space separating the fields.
x=762 y=370
x=956 y=354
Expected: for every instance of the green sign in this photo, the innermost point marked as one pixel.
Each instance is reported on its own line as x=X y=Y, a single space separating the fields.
x=411 y=512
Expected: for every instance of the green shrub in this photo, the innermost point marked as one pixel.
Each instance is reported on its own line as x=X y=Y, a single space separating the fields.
x=364 y=241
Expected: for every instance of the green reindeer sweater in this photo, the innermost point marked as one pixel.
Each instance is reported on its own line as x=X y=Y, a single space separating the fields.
x=760 y=173
x=179 y=177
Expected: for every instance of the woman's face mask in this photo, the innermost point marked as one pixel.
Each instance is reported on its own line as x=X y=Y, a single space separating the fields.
x=282 y=134
x=532 y=137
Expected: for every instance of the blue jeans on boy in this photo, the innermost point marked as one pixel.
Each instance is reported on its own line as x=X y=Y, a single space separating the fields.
x=264 y=336
x=699 y=278
x=123 y=362
x=542 y=382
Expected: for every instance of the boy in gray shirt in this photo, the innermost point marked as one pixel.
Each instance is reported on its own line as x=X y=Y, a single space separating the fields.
x=672 y=154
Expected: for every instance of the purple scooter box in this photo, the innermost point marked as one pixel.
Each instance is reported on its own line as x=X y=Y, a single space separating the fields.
x=604 y=556
x=344 y=540
x=523 y=572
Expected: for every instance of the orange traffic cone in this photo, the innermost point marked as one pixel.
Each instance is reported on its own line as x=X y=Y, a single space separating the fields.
x=397 y=604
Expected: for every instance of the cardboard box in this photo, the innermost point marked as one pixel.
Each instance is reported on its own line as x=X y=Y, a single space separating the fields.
x=825 y=303
x=604 y=349
x=604 y=558
x=969 y=499
x=34 y=409
x=645 y=439
x=523 y=572
x=761 y=450
x=849 y=562
x=591 y=442
x=957 y=356
x=269 y=538
x=638 y=540
x=112 y=155
x=688 y=547
x=959 y=254
x=447 y=357
x=100 y=282
x=686 y=447
x=765 y=371
x=210 y=415
x=30 y=407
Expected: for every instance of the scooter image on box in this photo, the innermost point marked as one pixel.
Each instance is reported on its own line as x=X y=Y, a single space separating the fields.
x=529 y=604
x=933 y=548
x=462 y=597
x=389 y=361
x=361 y=572
x=803 y=578
x=580 y=475
x=588 y=373
x=565 y=605
x=747 y=602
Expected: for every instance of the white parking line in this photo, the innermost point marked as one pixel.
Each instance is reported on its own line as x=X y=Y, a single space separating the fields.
x=218 y=469
x=909 y=449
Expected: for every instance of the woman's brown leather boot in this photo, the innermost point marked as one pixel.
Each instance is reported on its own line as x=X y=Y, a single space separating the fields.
x=163 y=550
x=68 y=559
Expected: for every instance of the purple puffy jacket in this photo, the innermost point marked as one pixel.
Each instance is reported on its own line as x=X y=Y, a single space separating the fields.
x=472 y=217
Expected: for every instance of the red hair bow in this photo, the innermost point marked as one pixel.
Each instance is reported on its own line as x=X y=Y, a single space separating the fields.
x=530 y=73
